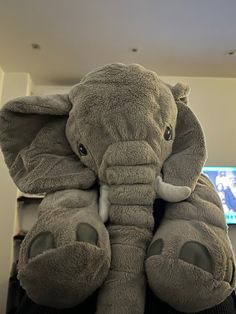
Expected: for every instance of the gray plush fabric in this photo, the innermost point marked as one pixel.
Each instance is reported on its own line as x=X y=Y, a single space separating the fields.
x=131 y=224
x=189 y=149
x=64 y=274
x=124 y=126
x=35 y=147
x=187 y=286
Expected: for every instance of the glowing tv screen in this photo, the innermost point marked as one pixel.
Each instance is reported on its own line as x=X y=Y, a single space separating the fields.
x=224 y=180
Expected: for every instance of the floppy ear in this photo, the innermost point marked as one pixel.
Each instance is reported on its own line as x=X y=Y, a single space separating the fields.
x=188 y=156
x=180 y=92
x=35 y=148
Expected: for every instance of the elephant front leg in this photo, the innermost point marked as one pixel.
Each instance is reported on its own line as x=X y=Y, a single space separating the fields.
x=66 y=255
x=190 y=262
x=130 y=230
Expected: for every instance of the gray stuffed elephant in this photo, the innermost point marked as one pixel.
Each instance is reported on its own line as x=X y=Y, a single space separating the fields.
x=102 y=154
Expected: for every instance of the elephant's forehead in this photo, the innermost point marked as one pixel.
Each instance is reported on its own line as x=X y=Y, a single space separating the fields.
x=120 y=89
x=120 y=74
x=92 y=107
x=116 y=83
x=112 y=98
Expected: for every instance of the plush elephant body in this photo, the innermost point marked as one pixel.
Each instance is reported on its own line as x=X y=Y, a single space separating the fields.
x=122 y=127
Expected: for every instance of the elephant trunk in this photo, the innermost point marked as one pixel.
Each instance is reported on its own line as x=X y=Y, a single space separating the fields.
x=129 y=169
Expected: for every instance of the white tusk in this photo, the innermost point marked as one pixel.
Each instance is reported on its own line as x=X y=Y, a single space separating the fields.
x=104 y=203
x=171 y=193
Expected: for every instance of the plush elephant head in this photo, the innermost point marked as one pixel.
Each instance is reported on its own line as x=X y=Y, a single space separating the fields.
x=118 y=112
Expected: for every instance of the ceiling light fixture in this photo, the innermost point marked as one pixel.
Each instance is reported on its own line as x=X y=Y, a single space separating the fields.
x=230 y=52
x=35 y=46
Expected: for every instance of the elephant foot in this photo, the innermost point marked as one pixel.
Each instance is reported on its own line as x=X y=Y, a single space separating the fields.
x=66 y=256
x=65 y=276
x=190 y=265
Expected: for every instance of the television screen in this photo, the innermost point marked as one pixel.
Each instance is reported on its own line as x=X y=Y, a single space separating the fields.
x=224 y=180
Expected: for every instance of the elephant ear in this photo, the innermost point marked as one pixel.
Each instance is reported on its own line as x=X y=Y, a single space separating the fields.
x=35 y=147
x=184 y=165
x=180 y=92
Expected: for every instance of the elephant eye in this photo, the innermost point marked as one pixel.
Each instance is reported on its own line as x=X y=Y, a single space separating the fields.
x=168 y=133
x=82 y=150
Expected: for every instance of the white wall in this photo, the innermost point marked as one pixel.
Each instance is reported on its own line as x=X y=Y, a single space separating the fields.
x=1 y=82
x=12 y=85
x=15 y=85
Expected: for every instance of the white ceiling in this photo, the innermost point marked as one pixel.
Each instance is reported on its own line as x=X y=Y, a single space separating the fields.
x=173 y=37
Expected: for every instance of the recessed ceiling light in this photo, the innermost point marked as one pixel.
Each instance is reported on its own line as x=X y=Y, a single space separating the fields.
x=230 y=52
x=35 y=46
